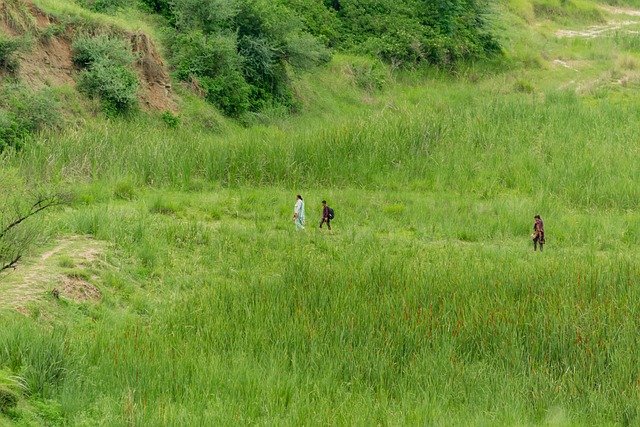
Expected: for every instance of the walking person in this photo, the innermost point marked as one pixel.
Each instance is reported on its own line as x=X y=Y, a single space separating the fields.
x=298 y=213
x=538 y=233
x=327 y=216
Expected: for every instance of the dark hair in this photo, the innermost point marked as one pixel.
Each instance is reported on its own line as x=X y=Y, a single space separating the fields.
x=537 y=216
x=299 y=197
x=324 y=201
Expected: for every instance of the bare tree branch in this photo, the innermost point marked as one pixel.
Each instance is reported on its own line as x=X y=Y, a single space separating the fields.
x=38 y=206
x=14 y=238
x=11 y=264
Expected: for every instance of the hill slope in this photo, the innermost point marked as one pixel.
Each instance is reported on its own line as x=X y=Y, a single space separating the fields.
x=186 y=297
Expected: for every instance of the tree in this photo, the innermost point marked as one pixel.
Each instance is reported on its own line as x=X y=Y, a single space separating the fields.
x=15 y=238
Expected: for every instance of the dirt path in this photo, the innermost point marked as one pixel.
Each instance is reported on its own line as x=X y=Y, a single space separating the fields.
x=621 y=10
x=604 y=29
x=67 y=267
x=596 y=30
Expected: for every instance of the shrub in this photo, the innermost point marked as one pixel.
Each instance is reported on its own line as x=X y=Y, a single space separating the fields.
x=305 y=51
x=9 y=49
x=35 y=110
x=523 y=86
x=368 y=74
x=228 y=91
x=208 y=16
x=212 y=62
x=319 y=19
x=161 y=7
x=241 y=53
x=8 y=399
x=51 y=31
x=107 y=74
x=404 y=33
x=24 y=112
x=125 y=190
x=170 y=119
x=198 y=54
x=115 y=84
x=106 y=6
x=89 y=49
x=10 y=132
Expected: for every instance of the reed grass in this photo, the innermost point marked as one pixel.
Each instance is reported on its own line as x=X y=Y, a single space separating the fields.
x=427 y=306
x=448 y=317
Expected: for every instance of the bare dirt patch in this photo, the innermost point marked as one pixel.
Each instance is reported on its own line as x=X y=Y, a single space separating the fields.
x=564 y=64
x=596 y=30
x=49 y=63
x=604 y=29
x=34 y=279
x=78 y=290
x=621 y=10
x=156 y=82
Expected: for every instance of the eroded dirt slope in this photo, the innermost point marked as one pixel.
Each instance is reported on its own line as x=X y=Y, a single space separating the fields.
x=48 y=61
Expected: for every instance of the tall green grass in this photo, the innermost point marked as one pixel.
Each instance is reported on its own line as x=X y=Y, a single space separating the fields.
x=580 y=151
x=427 y=306
x=419 y=309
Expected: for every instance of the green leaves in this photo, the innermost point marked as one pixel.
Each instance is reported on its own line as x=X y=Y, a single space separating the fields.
x=114 y=83
x=404 y=33
x=24 y=111
x=242 y=53
x=89 y=49
x=107 y=74
x=9 y=49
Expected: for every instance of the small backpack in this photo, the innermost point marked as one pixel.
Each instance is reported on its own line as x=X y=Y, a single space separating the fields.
x=331 y=213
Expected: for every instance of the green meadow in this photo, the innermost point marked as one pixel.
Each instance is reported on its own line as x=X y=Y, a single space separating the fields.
x=187 y=298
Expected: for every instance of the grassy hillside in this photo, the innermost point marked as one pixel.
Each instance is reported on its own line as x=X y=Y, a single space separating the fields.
x=187 y=298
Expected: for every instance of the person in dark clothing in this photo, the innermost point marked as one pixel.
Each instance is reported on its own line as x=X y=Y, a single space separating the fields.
x=538 y=233
x=325 y=217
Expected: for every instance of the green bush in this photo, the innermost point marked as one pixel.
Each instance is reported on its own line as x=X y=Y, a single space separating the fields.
x=318 y=19
x=161 y=7
x=8 y=399
x=107 y=74
x=10 y=131
x=51 y=31
x=170 y=119
x=107 y=6
x=408 y=32
x=242 y=54
x=198 y=54
x=209 y=16
x=213 y=63
x=89 y=49
x=368 y=74
x=228 y=91
x=9 y=49
x=24 y=112
x=115 y=84
x=305 y=51
x=125 y=190
x=35 y=109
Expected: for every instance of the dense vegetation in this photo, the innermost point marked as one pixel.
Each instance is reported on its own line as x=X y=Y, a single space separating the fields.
x=243 y=54
x=185 y=296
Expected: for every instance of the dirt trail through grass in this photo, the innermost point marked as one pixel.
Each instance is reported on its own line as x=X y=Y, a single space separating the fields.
x=604 y=29
x=67 y=267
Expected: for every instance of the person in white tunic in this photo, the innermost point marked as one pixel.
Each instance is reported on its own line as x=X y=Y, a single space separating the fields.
x=298 y=213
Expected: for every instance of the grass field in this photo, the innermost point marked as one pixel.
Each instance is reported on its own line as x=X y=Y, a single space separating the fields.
x=187 y=298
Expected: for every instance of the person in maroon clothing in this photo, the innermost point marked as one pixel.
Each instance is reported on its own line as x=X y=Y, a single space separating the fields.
x=325 y=217
x=538 y=233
